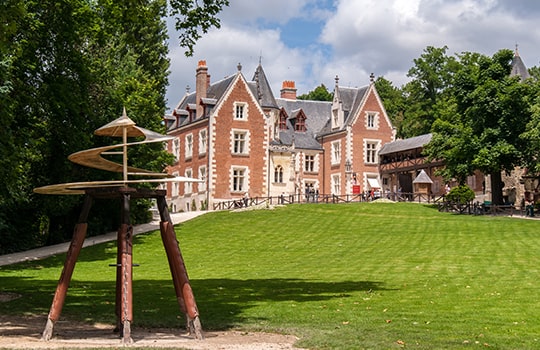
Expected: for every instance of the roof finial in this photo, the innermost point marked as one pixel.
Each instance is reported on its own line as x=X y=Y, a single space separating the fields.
x=337 y=80
x=516 y=53
x=372 y=77
x=260 y=58
x=239 y=66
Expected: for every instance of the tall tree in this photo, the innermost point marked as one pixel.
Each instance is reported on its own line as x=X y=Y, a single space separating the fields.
x=489 y=110
x=66 y=68
x=193 y=18
x=394 y=103
x=427 y=91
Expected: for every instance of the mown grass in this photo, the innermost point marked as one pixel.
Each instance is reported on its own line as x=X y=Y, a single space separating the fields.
x=348 y=276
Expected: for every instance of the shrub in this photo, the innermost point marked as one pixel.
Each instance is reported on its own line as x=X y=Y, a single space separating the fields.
x=461 y=194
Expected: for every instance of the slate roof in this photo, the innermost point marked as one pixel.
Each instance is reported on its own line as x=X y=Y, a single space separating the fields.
x=518 y=67
x=406 y=144
x=422 y=178
x=213 y=94
x=261 y=89
x=317 y=112
x=351 y=100
x=302 y=140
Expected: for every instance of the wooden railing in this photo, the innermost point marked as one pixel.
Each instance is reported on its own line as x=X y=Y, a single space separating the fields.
x=476 y=208
x=322 y=198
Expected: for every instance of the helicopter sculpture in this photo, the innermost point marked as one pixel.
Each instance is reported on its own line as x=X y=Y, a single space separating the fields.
x=125 y=128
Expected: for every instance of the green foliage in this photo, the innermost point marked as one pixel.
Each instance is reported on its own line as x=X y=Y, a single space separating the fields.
x=193 y=18
x=427 y=92
x=68 y=67
x=461 y=194
x=456 y=144
x=531 y=135
x=394 y=103
x=320 y=93
x=347 y=276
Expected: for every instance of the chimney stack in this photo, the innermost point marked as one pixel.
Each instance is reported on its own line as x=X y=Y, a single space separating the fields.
x=288 y=90
x=202 y=82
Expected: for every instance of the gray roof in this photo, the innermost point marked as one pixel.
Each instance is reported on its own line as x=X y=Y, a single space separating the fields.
x=406 y=144
x=317 y=112
x=422 y=178
x=518 y=68
x=213 y=94
x=351 y=100
x=261 y=89
x=302 y=140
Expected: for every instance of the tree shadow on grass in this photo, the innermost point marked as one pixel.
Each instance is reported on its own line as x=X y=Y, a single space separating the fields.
x=222 y=302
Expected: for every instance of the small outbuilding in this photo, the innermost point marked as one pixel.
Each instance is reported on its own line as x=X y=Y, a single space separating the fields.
x=422 y=183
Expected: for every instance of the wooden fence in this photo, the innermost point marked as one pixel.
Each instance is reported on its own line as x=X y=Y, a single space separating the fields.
x=322 y=198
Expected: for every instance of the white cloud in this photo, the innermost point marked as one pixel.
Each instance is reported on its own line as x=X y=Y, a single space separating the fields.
x=358 y=37
x=223 y=49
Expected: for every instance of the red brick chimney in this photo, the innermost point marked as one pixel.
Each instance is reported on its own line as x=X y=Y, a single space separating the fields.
x=202 y=82
x=288 y=90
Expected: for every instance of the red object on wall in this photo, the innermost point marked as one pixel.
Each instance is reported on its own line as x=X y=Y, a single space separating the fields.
x=356 y=189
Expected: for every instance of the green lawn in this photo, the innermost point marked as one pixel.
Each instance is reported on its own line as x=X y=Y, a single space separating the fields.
x=348 y=276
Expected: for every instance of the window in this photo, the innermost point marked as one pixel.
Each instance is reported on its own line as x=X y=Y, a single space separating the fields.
x=202 y=176
x=240 y=111
x=300 y=124
x=336 y=184
x=175 y=186
x=371 y=152
x=278 y=174
x=189 y=146
x=176 y=149
x=282 y=120
x=239 y=142
x=372 y=121
x=188 y=186
x=202 y=141
x=309 y=163
x=336 y=152
x=238 y=179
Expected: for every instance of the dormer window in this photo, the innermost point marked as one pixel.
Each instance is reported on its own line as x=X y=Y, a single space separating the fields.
x=300 y=124
x=282 y=120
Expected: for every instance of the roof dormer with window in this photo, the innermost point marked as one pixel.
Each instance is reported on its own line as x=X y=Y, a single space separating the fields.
x=337 y=108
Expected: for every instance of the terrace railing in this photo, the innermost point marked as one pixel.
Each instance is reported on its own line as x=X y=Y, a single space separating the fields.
x=322 y=198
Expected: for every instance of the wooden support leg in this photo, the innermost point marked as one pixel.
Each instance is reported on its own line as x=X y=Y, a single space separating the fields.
x=75 y=247
x=125 y=245
x=184 y=293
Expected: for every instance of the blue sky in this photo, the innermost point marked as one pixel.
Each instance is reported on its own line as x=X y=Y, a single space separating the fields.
x=312 y=41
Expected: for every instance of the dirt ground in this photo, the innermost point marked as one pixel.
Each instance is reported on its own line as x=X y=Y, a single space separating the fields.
x=24 y=332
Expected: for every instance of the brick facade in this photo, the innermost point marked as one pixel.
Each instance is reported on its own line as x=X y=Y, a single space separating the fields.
x=263 y=146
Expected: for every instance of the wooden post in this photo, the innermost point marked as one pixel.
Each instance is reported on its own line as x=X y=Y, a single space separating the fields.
x=75 y=247
x=184 y=293
x=125 y=246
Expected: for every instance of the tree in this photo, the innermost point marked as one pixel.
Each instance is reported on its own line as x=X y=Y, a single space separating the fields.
x=481 y=129
x=192 y=18
x=68 y=67
x=320 y=93
x=394 y=102
x=427 y=91
x=531 y=135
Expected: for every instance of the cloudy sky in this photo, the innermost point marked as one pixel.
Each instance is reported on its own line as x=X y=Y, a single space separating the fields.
x=312 y=41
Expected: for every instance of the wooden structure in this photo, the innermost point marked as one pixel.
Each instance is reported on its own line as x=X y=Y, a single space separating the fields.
x=422 y=183
x=123 y=127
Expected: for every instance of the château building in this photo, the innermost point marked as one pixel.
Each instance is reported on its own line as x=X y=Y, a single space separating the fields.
x=241 y=140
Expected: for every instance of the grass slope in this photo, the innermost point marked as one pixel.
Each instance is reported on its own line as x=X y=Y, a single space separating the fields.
x=348 y=276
